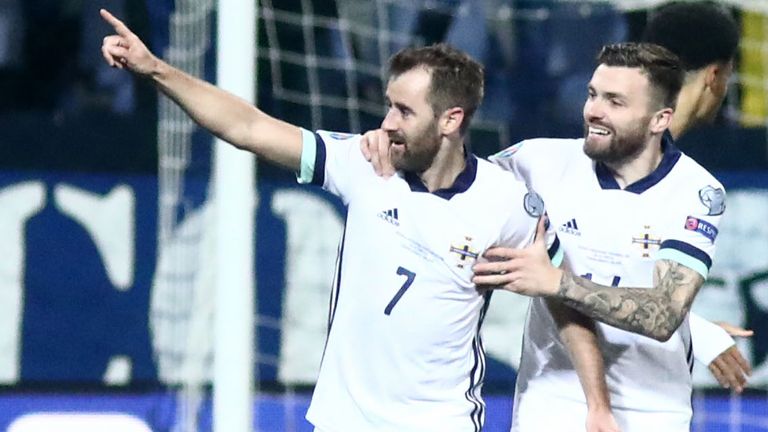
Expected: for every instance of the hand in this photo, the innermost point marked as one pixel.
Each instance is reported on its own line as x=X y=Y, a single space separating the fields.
x=125 y=49
x=734 y=330
x=731 y=369
x=526 y=271
x=601 y=421
x=375 y=148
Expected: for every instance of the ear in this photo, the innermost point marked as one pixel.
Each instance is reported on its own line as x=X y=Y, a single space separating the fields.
x=661 y=120
x=711 y=73
x=451 y=120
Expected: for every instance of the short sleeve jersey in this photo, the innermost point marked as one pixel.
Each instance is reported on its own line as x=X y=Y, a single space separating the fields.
x=614 y=237
x=403 y=351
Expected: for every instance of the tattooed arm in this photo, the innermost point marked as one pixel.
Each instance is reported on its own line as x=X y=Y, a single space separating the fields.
x=655 y=312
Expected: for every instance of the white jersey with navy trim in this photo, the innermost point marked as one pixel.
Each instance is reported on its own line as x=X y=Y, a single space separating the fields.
x=403 y=351
x=614 y=237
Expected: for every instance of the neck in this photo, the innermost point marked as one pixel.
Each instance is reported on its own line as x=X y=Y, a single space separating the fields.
x=447 y=165
x=684 y=116
x=687 y=104
x=640 y=166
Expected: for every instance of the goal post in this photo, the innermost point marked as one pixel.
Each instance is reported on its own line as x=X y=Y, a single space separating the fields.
x=234 y=197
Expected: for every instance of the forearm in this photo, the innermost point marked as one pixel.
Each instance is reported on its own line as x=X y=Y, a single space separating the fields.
x=654 y=312
x=578 y=334
x=227 y=116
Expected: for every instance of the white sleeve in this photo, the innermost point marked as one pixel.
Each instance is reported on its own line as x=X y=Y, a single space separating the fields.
x=692 y=241
x=517 y=234
x=333 y=161
x=514 y=160
x=709 y=339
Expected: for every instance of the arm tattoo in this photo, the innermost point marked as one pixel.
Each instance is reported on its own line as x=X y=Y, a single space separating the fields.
x=654 y=312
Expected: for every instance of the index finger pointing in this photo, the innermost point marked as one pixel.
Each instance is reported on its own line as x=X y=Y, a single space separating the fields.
x=118 y=25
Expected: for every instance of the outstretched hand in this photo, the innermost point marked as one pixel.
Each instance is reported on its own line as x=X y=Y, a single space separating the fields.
x=526 y=271
x=375 y=147
x=124 y=49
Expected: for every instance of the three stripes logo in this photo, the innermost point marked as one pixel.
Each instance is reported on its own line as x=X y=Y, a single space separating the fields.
x=390 y=216
x=570 y=227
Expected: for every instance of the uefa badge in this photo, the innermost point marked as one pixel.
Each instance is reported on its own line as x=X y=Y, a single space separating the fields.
x=713 y=199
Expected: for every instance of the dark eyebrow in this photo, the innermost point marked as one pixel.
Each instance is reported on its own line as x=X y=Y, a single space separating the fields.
x=402 y=107
x=612 y=95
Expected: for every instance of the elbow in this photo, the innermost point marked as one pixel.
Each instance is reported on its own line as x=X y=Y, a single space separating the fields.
x=661 y=335
x=664 y=330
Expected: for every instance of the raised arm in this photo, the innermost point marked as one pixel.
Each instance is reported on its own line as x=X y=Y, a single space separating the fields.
x=223 y=114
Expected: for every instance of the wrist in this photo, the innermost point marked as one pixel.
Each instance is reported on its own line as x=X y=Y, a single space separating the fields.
x=555 y=282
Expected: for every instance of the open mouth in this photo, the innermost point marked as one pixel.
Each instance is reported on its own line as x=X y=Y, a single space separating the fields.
x=599 y=131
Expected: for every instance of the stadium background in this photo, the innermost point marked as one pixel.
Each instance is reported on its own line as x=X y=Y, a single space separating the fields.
x=104 y=305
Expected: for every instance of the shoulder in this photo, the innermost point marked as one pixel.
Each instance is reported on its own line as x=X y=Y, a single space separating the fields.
x=699 y=185
x=338 y=138
x=693 y=171
x=540 y=154
x=502 y=181
x=544 y=147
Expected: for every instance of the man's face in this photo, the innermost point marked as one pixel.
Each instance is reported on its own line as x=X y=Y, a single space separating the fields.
x=411 y=123
x=617 y=114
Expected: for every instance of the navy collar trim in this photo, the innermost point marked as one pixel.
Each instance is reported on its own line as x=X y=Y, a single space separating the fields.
x=668 y=160
x=463 y=181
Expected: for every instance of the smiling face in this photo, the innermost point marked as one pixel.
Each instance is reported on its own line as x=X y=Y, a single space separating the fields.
x=411 y=123
x=617 y=114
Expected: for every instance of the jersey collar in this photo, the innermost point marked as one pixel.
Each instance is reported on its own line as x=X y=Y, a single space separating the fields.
x=463 y=181
x=668 y=160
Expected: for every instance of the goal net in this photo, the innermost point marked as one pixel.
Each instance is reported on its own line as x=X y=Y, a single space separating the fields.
x=322 y=65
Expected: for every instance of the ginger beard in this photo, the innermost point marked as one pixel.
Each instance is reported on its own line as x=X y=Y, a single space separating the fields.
x=415 y=152
x=607 y=144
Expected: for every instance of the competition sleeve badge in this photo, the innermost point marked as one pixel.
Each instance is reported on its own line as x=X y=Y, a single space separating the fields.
x=533 y=204
x=463 y=252
x=713 y=199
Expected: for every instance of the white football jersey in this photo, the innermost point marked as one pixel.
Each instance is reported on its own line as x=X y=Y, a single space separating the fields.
x=613 y=237
x=404 y=351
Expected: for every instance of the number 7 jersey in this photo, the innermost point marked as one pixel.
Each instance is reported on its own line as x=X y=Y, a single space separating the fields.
x=404 y=351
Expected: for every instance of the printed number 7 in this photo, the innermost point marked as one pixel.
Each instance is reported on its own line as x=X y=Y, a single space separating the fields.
x=410 y=276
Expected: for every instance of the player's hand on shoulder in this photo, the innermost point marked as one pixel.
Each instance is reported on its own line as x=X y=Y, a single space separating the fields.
x=375 y=148
x=601 y=421
x=124 y=49
x=527 y=271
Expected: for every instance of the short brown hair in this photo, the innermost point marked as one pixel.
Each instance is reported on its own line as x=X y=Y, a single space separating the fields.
x=456 y=78
x=663 y=69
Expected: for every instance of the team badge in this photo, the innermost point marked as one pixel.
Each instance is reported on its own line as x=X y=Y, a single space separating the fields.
x=702 y=227
x=464 y=253
x=533 y=204
x=713 y=199
x=340 y=135
x=647 y=242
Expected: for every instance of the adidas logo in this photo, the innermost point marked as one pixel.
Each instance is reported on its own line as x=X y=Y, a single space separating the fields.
x=390 y=216
x=570 y=227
